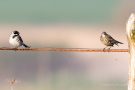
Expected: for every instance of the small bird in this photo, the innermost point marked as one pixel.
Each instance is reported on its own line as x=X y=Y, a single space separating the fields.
x=12 y=82
x=107 y=40
x=16 y=40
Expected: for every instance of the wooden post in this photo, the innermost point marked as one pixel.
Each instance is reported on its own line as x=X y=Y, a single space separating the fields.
x=131 y=42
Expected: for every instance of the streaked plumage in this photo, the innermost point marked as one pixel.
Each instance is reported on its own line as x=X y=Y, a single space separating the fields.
x=16 y=40
x=107 y=40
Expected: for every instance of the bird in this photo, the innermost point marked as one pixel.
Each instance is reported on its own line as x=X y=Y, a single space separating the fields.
x=12 y=82
x=16 y=40
x=109 y=41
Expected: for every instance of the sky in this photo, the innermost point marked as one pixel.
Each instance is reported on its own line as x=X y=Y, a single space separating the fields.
x=46 y=11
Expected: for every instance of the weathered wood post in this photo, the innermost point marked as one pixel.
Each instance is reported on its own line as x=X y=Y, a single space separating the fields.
x=131 y=42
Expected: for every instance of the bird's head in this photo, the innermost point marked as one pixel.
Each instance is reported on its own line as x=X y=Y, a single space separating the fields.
x=16 y=32
x=104 y=33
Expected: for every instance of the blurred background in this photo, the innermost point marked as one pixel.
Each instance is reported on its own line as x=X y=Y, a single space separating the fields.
x=65 y=24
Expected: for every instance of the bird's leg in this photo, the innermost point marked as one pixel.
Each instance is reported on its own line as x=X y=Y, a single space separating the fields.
x=109 y=48
x=104 y=48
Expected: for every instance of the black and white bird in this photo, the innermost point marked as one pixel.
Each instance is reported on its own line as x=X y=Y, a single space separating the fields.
x=16 y=40
x=107 y=40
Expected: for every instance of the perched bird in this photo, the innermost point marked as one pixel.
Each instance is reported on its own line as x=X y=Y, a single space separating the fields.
x=107 y=40
x=16 y=40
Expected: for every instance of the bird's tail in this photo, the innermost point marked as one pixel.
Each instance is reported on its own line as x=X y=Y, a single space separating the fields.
x=25 y=45
x=117 y=42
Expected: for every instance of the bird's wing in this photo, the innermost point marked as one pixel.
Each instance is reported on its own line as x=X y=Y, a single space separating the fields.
x=110 y=38
x=19 y=39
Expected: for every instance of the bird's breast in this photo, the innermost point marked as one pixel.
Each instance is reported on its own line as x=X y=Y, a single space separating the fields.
x=14 y=41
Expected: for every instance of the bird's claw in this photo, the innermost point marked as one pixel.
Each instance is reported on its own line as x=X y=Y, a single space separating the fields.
x=103 y=49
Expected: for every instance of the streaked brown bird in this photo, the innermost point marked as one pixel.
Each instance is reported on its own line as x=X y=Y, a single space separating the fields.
x=107 y=40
